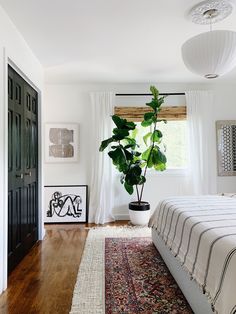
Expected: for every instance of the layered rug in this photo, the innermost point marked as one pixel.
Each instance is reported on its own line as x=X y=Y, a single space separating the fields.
x=122 y=272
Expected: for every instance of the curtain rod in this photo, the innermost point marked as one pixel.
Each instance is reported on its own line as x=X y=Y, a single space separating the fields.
x=161 y=94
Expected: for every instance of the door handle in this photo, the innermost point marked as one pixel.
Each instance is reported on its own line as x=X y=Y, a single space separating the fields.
x=21 y=176
x=28 y=173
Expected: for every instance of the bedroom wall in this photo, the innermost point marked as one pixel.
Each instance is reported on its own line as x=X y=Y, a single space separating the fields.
x=71 y=103
x=13 y=46
x=225 y=109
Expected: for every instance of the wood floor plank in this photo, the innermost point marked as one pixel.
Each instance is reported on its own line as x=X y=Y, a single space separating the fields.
x=44 y=281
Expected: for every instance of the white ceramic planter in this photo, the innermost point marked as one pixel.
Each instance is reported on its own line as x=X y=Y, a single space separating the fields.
x=138 y=217
x=139 y=213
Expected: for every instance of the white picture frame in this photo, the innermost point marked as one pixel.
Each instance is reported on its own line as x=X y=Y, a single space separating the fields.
x=65 y=203
x=61 y=142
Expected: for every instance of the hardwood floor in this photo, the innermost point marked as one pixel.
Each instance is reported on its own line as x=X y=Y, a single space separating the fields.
x=44 y=281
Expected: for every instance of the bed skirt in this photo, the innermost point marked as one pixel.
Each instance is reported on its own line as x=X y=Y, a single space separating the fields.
x=196 y=299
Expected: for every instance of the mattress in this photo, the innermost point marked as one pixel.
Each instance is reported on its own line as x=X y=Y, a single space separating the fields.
x=201 y=234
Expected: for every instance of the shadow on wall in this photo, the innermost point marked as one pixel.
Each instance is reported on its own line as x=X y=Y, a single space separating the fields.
x=158 y=187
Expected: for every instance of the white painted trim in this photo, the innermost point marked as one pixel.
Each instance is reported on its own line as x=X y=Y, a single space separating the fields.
x=5 y=174
x=41 y=231
x=121 y=216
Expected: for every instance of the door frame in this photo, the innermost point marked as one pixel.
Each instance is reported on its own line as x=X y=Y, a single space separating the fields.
x=41 y=230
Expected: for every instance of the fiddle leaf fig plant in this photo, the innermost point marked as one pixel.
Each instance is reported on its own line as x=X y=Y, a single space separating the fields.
x=125 y=151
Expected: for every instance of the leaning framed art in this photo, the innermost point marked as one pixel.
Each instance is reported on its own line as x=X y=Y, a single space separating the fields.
x=66 y=203
x=61 y=142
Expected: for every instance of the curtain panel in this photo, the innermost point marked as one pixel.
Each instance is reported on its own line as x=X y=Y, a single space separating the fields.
x=201 y=129
x=101 y=183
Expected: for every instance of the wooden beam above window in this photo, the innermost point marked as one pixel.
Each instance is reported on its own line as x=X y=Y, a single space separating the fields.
x=167 y=113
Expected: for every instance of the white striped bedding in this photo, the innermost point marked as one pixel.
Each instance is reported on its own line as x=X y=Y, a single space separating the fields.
x=201 y=233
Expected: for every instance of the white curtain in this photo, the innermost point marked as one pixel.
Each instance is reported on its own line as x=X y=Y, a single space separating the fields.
x=202 y=156
x=101 y=186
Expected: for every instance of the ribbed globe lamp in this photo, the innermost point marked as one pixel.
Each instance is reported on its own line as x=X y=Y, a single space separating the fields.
x=210 y=54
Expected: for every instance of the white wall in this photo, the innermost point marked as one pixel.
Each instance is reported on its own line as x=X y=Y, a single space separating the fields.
x=12 y=46
x=68 y=104
x=225 y=109
x=71 y=103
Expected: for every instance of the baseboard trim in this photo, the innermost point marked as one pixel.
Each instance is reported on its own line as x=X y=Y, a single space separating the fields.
x=121 y=216
x=43 y=233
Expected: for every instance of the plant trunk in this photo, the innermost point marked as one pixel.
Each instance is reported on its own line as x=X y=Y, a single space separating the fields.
x=145 y=171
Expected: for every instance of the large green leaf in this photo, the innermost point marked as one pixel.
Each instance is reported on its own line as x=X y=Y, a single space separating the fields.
x=123 y=123
x=156 y=136
x=146 y=123
x=146 y=137
x=119 y=122
x=120 y=134
x=145 y=155
x=133 y=175
x=130 y=125
x=119 y=159
x=142 y=180
x=134 y=133
x=129 y=188
x=154 y=91
x=137 y=159
x=153 y=104
x=123 y=132
x=143 y=164
x=155 y=157
x=148 y=116
x=162 y=156
x=160 y=101
x=128 y=155
x=136 y=170
x=105 y=143
x=129 y=143
x=150 y=161
x=160 y=167
x=129 y=146
x=123 y=168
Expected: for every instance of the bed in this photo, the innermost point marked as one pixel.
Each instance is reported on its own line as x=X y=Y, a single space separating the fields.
x=196 y=237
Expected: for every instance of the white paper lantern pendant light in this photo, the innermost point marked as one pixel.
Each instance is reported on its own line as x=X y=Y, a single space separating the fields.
x=213 y=53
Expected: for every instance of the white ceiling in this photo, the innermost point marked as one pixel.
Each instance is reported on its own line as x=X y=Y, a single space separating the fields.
x=110 y=40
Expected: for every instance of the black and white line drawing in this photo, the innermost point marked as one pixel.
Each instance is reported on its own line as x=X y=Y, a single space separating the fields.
x=66 y=204
x=62 y=205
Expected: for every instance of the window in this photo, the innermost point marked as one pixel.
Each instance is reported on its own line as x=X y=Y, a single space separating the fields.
x=174 y=142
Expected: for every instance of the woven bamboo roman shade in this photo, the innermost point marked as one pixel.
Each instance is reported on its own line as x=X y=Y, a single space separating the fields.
x=167 y=113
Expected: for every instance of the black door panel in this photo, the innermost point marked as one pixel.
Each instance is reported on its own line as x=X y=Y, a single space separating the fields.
x=22 y=168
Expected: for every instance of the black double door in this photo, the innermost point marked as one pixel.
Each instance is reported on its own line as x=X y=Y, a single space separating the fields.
x=22 y=168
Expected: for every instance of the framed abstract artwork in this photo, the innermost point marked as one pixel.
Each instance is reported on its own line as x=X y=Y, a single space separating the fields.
x=226 y=147
x=66 y=204
x=61 y=142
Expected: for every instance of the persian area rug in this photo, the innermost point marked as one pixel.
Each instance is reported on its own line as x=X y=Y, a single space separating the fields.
x=122 y=272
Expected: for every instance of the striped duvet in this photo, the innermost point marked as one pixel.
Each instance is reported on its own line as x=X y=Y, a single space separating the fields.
x=201 y=233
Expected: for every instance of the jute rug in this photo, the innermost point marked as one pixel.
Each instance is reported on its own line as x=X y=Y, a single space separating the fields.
x=122 y=272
